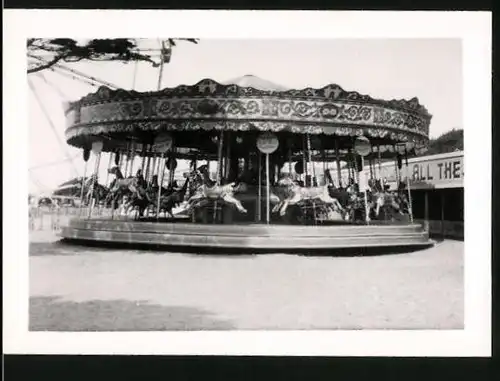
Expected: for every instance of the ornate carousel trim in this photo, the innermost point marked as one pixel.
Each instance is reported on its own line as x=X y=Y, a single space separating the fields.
x=210 y=88
x=209 y=105
x=403 y=135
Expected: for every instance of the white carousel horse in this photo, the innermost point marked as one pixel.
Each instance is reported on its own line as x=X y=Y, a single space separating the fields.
x=296 y=194
x=208 y=190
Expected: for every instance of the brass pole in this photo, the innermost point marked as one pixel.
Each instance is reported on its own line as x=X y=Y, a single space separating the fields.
x=219 y=169
x=379 y=158
x=339 y=170
x=259 y=206
x=311 y=183
x=408 y=187
x=367 y=209
x=109 y=165
x=83 y=188
x=94 y=180
x=127 y=161
x=132 y=158
x=160 y=187
x=268 y=186
x=397 y=168
x=148 y=162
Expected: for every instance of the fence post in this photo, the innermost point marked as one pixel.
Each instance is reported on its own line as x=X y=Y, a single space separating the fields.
x=426 y=212
x=442 y=214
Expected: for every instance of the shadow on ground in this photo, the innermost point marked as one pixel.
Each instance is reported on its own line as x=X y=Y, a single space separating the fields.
x=51 y=314
x=239 y=252
x=37 y=249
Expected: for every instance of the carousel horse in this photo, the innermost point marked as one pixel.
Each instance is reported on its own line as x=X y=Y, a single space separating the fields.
x=339 y=193
x=296 y=194
x=356 y=207
x=208 y=190
x=152 y=190
x=385 y=200
x=97 y=192
x=280 y=192
x=138 y=203
x=399 y=202
x=140 y=200
x=100 y=193
x=251 y=177
x=144 y=197
x=152 y=197
x=130 y=182
x=169 y=201
x=169 y=198
x=377 y=198
x=133 y=185
x=154 y=186
x=386 y=207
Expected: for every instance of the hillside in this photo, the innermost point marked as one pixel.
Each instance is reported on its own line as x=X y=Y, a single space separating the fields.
x=450 y=141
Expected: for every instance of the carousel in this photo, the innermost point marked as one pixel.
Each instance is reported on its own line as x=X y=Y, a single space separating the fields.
x=265 y=167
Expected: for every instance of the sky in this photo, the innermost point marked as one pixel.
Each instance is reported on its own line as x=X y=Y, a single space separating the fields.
x=430 y=69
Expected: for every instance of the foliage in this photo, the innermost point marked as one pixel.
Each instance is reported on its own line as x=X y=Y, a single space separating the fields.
x=44 y=53
x=450 y=141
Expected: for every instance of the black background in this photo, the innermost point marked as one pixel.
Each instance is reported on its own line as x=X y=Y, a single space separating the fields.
x=70 y=368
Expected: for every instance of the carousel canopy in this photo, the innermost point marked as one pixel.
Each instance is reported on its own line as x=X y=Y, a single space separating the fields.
x=248 y=105
x=255 y=82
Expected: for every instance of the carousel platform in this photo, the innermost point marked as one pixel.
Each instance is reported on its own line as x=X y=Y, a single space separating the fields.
x=244 y=236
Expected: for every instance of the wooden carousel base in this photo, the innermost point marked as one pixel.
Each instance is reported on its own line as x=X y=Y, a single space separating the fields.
x=248 y=236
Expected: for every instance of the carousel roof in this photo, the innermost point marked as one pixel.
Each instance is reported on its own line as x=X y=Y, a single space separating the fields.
x=257 y=83
x=243 y=104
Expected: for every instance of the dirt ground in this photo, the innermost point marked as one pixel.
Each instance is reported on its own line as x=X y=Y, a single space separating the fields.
x=74 y=288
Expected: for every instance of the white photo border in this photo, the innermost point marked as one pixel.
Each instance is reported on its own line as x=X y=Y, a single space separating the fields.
x=473 y=28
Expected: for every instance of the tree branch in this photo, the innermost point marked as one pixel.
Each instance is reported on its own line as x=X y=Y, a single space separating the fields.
x=46 y=65
x=68 y=50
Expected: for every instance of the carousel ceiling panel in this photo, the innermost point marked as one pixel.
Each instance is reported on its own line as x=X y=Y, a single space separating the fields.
x=209 y=105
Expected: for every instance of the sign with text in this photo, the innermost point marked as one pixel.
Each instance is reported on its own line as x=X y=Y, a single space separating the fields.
x=429 y=172
x=436 y=171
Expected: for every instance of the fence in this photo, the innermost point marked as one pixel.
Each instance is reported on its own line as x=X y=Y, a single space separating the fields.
x=53 y=218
